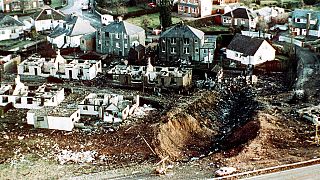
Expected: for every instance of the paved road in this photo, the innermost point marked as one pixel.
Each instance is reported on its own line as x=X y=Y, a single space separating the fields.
x=304 y=173
x=74 y=6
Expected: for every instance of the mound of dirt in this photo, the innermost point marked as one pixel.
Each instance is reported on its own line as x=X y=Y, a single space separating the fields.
x=187 y=131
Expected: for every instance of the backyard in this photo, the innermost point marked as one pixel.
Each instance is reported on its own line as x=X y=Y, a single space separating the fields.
x=154 y=21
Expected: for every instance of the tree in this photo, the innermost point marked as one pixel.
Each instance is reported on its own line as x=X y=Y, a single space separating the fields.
x=145 y=23
x=165 y=13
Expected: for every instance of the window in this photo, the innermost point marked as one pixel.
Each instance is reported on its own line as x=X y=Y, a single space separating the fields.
x=236 y=54
x=173 y=40
x=107 y=34
x=204 y=51
x=125 y=36
x=29 y=100
x=173 y=50
x=117 y=45
x=52 y=99
x=298 y=20
x=243 y=22
x=125 y=45
x=18 y=101
x=5 y=99
x=186 y=41
x=197 y=50
x=40 y=118
x=85 y=108
x=82 y=41
x=196 y=41
x=163 y=48
x=117 y=36
x=186 y=50
x=77 y=114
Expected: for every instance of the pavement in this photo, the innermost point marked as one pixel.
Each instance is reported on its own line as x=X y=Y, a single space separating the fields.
x=305 y=173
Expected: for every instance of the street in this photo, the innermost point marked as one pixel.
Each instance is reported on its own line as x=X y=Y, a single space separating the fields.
x=305 y=173
x=73 y=7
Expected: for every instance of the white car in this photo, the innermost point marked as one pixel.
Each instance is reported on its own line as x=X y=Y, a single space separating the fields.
x=223 y=171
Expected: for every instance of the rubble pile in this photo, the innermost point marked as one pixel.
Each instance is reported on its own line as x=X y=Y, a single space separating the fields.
x=66 y=156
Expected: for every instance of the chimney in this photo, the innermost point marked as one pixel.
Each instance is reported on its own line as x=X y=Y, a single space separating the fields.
x=119 y=18
x=308 y=23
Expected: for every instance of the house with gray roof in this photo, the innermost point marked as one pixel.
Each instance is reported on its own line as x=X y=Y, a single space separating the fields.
x=47 y=19
x=305 y=22
x=10 y=27
x=183 y=42
x=248 y=50
x=70 y=32
x=238 y=17
x=20 y=5
x=118 y=37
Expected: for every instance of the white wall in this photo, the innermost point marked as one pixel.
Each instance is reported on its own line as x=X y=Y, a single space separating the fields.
x=10 y=33
x=57 y=122
x=58 y=41
x=206 y=7
x=263 y=54
x=42 y=25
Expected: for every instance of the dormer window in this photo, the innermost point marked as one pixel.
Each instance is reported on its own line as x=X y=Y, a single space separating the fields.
x=298 y=20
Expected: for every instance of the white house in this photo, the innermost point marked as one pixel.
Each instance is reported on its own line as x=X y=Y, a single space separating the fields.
x=60 y=118
x=10 y=27
x=108 y=107
x=59 y=67
x=305 y=22
x=250 y=50
x=22 y=96
x=267 y=13
x=69 y=33
x=47 y=19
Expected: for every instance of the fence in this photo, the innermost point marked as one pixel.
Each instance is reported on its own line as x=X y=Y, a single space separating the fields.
x=291 y=39
x=256 y=34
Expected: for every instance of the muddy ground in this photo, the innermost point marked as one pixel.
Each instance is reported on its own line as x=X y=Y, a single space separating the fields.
x=240 y=126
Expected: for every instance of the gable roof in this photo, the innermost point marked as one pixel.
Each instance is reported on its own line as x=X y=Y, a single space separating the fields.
x=73 y=26
x=44 y=15
x=9 y=21
x=245 y=44
x=182 y=30
x=302 y=13
x=240 y=12
x=122 y=26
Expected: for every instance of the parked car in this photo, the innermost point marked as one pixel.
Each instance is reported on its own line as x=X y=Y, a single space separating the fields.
x=223 y=171
x=152 y=5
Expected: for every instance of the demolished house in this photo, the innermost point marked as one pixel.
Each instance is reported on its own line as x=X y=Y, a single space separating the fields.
x=151 y=76
x=61 y=118
x=9 y=62
x=59 y=67
x=35 y=97
x=110 y=108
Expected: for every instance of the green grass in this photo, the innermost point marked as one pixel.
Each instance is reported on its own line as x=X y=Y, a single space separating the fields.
x=153 y=19
x=15 y=43
x=56 y=3
x=214 y=28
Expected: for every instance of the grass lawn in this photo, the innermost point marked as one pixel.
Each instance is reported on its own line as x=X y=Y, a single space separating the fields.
x=56 y=3
x=153 y=19
x=213 y=28
x=15 y=43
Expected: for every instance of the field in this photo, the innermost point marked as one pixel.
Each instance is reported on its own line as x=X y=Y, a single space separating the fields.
x=153 y=19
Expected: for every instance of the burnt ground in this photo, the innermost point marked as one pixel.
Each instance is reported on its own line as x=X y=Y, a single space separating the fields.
x=248 y=128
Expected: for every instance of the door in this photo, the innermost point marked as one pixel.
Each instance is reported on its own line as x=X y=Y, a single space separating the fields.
x=70 y=74
x=36 y=71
